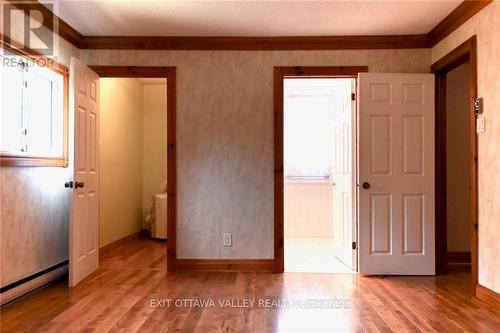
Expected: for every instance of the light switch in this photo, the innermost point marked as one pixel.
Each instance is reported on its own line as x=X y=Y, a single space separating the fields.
x=481 y=125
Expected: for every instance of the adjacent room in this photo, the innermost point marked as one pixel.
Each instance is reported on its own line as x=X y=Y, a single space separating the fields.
x=318 y=156
x=133 y=159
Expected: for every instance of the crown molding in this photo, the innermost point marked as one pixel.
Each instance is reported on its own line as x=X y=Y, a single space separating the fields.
x=63 y=29
x=457 y=17
x=256 y=43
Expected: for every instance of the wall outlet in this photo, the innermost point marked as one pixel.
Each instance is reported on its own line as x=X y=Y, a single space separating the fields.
x=228 y=240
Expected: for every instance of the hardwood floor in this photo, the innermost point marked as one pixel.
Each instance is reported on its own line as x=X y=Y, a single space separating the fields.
x=132 y=278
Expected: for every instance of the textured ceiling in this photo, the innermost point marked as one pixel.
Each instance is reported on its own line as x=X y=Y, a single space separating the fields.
x=253 y=18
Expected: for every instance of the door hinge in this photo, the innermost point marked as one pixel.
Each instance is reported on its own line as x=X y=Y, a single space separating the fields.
x=353 y=96
x=354 y=245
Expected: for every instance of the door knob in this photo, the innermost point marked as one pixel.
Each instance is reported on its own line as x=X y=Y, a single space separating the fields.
x=79 y=184
x=366 y=185
x=69 y=184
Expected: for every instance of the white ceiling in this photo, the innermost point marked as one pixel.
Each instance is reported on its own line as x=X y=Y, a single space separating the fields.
x=253 y=18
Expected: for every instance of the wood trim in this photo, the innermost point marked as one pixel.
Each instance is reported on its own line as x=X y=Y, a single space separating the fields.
x=451 y=22
x=133 y=71
x=19 y=160
x=441 y=236
x=255 y=43
x=53 y=22
x=466 y=52
x=458 y=257
x=280 y=73
x=9 y=160
x=455 y=19
x=170 y=74
x=225 y=265
x=488 y=296
x=104 y=250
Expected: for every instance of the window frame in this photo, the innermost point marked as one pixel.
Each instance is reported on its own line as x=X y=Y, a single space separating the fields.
x=8 y=159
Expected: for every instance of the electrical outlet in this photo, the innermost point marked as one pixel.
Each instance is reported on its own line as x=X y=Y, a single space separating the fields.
x=228 y=240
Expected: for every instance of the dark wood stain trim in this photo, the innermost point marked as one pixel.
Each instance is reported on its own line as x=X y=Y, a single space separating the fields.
x=280 y=73
x=455 y=19
x=233 y=265
x=170 y=74
x=64 y=30
x=255 y=43
x=466 y=52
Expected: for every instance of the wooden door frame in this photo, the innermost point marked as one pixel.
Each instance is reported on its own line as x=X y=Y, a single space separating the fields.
x=464 y=53
x=168 y=73
x=280 y=73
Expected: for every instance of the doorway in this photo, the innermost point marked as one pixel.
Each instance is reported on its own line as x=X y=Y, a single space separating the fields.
x=456 y=162
x=314 y=196
x=318 y=118
x=133 y=134
x=168 y=74
x=84 y=87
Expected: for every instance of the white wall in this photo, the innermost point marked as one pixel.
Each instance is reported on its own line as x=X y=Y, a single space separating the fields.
x=225 y=137
x=458 y=159
x=120 y=153
x=308 y=210
x=154 y=141
x=487 y=29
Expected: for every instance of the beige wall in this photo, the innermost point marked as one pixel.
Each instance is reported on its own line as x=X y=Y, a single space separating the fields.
x=34 y=209
x=120 y=153
x=308 y=210
x=485 y=25
x=225 y=137
x=458 y=159
x=154 y=141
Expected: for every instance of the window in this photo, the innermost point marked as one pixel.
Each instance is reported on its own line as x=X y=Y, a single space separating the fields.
x=33 y=112
x=309 y=125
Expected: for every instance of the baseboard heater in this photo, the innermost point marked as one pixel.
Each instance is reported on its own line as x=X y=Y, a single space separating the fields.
x=32 y=282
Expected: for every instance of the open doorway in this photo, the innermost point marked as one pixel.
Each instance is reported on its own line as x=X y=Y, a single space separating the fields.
x=315 y=169
x=318 y=190
x=456 y=162
x=123 y=154
x=133 y=160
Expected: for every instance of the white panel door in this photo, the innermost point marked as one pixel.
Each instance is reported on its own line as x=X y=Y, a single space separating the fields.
x=84 y=129
x=343 y=175
x=396 y=174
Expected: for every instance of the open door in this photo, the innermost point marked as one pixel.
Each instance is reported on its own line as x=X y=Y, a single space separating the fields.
x=84 y=129
x=396 y=174
x=343 y=175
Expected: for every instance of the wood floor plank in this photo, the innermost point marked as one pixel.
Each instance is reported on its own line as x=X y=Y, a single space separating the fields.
x=122 y=295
